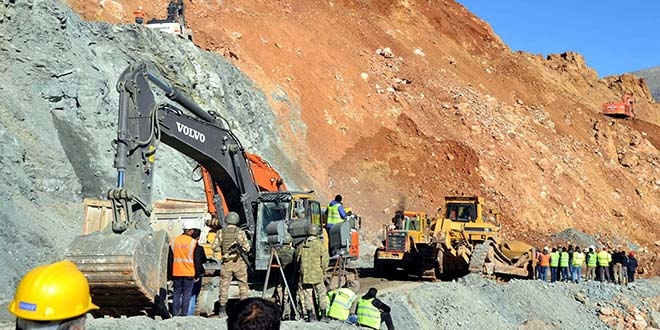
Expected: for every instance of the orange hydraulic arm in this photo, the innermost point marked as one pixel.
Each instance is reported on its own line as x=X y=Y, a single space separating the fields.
x=263 y=174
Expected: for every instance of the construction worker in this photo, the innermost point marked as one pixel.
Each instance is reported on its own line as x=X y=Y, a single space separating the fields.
x=578 y=260
x=563 y=264
x=591 y=264
x=341 y=301
x=570 y=252
x=313 y=259
x=183 y=267
x=544 y=263
x=603 y=260
x=54 y=296
x=200 y=255
x=554 y=264
x=336 y=212
x=620 y=261
x=372 y=311
x=139 y=15
x=233 y=266
x=632 y=267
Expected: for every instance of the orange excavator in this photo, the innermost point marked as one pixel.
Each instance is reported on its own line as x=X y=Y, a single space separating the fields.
x=264 y=175
x=622 y=109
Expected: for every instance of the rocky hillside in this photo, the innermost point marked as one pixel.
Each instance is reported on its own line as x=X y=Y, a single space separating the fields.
x=392 y=104
x=57 y=120
x=399 y=103
x=652 y=77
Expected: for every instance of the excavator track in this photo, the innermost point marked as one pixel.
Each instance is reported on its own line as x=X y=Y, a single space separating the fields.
x=478 y=259
x=126 y=272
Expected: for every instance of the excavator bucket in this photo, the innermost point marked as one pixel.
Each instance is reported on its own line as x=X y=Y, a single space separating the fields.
x=126 y=272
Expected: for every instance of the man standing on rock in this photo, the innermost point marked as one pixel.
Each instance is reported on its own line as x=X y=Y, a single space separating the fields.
x=232 y=264
x=554 y=264
x=313 y=259
x=591 y=264
x=544 y=263
x=578 y=260
x=632 y=267
x=183 y=265
x=603 y=259
x=563 y=264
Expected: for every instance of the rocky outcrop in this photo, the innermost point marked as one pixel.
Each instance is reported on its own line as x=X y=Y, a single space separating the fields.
x=58 y=108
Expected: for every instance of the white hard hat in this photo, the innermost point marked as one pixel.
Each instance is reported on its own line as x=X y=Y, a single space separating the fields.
x=546 y=249
x=190 y=224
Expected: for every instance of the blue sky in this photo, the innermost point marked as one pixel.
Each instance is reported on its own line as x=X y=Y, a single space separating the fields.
x=614 y=36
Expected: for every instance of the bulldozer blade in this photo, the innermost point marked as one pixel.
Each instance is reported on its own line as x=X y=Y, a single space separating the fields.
x=127 y=272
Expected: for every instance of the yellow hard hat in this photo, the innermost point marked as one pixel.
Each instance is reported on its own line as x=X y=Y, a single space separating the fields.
x=52 y=292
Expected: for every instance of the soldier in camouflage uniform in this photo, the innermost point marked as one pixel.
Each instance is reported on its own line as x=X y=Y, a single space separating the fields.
x=232 y=264
x=313 y=259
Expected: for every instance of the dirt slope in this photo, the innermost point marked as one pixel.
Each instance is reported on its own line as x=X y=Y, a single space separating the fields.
x=450 y=110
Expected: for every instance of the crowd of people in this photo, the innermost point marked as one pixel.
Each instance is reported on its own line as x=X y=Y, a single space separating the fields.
x=566 y=264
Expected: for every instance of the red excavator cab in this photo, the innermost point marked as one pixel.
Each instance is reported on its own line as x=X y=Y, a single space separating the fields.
x=622 y=109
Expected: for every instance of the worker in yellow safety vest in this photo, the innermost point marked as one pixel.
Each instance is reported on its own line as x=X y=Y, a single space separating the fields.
x=578 y=260
x=335 y=212
x=563 y=264
x=603 y=259
x=371 y=311
x=341 y=301
x=554 y=264
x=591 y=264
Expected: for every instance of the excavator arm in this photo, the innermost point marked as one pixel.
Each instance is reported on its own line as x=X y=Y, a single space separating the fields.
x=144 y=123
x=126 y=265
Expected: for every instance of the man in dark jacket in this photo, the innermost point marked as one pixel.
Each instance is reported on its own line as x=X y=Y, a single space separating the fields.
x=632 y=266
x=200 y=258
x=368 y=309
x=619 y=261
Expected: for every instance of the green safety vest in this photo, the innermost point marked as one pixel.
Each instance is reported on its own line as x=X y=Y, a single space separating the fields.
x=563 y=259
x=554 y=259
x=342 y=300
x=603 y=258
x=592 y=259
x=368 y=314
x=333 y=214
x=578 y=258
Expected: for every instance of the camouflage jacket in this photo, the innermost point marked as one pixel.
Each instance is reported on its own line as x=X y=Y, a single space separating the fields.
x=313 y=258
x=241 y=239
x=285 y=253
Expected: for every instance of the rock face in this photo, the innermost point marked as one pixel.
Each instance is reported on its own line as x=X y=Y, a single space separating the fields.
x=652 y=77
x=58 y=109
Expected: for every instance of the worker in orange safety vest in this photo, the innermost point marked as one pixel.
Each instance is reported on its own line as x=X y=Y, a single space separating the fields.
x=139 y=15
x=183 y=266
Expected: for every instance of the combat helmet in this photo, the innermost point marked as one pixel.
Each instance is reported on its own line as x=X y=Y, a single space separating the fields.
x=232 y=218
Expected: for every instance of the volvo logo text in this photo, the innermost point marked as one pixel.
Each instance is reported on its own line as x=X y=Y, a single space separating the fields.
x=190 y=132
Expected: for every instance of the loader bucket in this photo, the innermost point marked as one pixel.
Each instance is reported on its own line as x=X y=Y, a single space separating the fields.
x=127 y=272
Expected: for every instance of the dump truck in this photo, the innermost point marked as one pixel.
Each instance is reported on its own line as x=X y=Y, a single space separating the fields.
x=462 y=238
x=124 y=257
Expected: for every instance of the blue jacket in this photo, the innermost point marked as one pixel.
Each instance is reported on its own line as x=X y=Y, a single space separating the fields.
x=342 y=212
